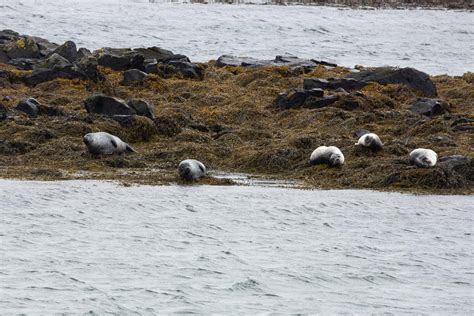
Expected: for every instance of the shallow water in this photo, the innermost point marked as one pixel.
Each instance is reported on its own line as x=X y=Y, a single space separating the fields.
x=432 y=41
x=78 y=247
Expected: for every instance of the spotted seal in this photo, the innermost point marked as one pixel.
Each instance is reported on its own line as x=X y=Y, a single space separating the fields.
x=371 y=141
x=102 y=143
x=327 y=155
x=423 y=158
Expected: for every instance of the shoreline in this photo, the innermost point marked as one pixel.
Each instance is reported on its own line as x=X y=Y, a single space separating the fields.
x=237 y=115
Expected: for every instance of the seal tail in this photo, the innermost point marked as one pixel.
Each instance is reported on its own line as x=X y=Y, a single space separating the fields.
x=130 y=149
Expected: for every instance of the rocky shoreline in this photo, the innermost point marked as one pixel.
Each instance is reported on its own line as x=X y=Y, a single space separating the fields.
x=237 y=115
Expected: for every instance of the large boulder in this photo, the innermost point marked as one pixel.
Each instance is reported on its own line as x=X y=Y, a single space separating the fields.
x=160 y=55
x=8 y=36
x=29 y=106
x=45 y=47
x=24 y=47
x=68 y=50
x=142 y=108
x=181 y=68
x=133 y=76
x=110 y=106
x=429 y=107
x=119 y=58
x=389 y=75
x=296 y=98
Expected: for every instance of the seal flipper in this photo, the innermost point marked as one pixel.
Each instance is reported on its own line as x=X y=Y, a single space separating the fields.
x=130 y=148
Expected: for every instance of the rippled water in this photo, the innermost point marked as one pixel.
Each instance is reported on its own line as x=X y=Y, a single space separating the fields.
x=102 y=248
x=432 y=41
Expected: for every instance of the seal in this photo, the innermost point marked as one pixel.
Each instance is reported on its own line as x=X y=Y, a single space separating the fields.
x=423 y=158
x=371 y=141
x=327 y=155
x=191 y=169
x=102 y=143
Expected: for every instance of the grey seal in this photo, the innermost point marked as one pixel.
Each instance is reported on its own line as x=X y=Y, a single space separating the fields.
x=102 y=143
x=371 y=141
x=327 y=155
x=424 y=158
x=191 y=169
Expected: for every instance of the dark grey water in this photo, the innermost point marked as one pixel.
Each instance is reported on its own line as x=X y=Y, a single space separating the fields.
x=432 y=41
x=79 y=247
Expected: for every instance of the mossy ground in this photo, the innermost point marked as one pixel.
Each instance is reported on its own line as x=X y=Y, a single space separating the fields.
x=228 y=122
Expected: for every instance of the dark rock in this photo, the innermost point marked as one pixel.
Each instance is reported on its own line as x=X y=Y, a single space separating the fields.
x=23 y=63
x=160 y=55
x=8 y=36
x=29 y=106
x=332 y=84
x=133 y=76
x=102 y=104
x=120 y=58
x=316 y=103
x=142 y=108
x=428 y=107
x=452 y=161
x=53 y=61
x=83 y=52
x=45 y=47
x=182 y=68
x=67 y=50
x=465 y=124
x=388 y=75
x=24 y=47
x=341 y=90
x=296 y=99
x=228 y=60
x=360 y=132
x=88 y=64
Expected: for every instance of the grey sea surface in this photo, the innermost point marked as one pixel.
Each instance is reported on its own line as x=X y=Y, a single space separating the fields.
x=434 y=41
x=101 y=248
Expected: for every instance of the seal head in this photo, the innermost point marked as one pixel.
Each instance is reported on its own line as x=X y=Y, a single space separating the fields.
x=191 y=169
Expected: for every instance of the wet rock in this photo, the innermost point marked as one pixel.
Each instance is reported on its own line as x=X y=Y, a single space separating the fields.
x=181 y=68
x=160 y=55
x=296 y=99
x=68 y=50
x=389 y=75
x=316 y=103
x=332 y=84
x=428 y=107
x=142 y=107
x=120 y=58
x=24 y=47
x=102 y=104
x=133 y=76
x=29 y=106
x=3 y=57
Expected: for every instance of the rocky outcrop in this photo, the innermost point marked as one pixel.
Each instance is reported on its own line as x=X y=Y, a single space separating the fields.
x=286 y=60
x=142 y=108
x=391 y=75
x=29 y=106
x=133 y=76
x=110 y=106
x=347 y=84
x=429 y=107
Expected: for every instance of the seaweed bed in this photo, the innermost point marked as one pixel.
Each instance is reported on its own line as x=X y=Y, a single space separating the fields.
x=229 y=121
